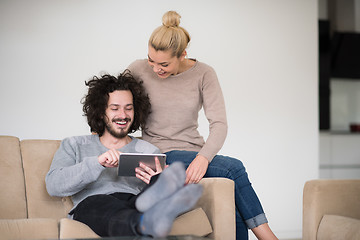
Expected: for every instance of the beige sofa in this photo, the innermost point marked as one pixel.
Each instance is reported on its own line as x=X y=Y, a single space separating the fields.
x=331 y=210
x=28 y=212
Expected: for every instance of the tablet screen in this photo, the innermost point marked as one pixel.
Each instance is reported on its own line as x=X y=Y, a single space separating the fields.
x=129 y=161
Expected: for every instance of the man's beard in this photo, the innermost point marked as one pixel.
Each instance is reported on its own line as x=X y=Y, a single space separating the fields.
x=123 y=132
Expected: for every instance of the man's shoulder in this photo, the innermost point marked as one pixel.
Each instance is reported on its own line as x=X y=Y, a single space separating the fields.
x=80 y=140
x=142 y=146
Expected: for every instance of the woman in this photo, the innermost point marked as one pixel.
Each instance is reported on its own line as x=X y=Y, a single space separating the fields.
x=178 y=88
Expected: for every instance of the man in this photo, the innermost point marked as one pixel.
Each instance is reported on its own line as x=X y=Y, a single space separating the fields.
x=84 y=167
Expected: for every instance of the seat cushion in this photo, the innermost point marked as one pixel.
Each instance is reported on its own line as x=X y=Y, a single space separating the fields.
x=334 y=227
x=37 y=228
x=194 y=222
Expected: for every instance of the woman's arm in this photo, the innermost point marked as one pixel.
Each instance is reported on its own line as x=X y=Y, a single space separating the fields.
x=214 y=108
x=215 y=112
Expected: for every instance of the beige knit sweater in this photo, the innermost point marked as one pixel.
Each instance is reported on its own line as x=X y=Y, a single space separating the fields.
x=175 y=104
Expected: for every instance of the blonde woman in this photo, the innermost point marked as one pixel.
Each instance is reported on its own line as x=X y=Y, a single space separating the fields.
x=178 y=88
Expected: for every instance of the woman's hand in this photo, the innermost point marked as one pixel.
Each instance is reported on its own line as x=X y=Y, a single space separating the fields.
x=196 y=169
x=109 y=158
x=145 y=173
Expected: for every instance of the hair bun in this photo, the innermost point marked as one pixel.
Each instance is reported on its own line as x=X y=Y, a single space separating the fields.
x=171 y=19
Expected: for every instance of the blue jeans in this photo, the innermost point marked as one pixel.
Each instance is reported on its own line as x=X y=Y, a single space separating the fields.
x=249 y=212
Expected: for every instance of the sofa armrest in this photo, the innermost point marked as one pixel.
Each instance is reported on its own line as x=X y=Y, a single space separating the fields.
x=328 y=197
x=218 y=202
x=35 y=228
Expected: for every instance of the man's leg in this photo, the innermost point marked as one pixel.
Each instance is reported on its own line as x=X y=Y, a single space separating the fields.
x=108 y=215
x=115 y=215
x=169 y=181
x=158 y=220
x=165 y=199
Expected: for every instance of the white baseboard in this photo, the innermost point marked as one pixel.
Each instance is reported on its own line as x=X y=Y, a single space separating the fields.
x=282 y=235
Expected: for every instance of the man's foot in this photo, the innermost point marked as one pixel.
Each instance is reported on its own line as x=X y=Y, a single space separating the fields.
x=158 y=220
x=170 y=180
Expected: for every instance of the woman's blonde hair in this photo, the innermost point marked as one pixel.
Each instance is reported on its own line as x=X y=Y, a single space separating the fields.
x=170 y=36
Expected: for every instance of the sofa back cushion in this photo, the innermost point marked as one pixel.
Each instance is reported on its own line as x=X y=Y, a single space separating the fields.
x=37 y=156
x=12 y=188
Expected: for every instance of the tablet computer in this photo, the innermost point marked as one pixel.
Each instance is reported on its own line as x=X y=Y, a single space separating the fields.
x=129 y=161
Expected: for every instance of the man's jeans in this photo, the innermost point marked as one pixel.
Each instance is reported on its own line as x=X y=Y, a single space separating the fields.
x=249 y=212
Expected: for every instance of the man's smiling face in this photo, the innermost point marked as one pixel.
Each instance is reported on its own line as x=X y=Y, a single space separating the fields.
x=119 y=114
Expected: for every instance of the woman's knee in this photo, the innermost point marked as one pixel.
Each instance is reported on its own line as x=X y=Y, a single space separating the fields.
x=230 y=167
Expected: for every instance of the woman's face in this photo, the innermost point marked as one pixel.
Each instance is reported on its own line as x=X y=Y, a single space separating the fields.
x=163 y=63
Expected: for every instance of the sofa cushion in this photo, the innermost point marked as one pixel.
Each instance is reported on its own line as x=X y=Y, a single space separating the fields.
x=194 y=222
x=334 y=227
x=37 y=156
x=186 y=224
x=74 y=229
x=12 y=188
x=29 y=229
x=329 y=197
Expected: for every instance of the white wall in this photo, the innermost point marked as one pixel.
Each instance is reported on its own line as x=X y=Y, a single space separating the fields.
x=344 y=103
x=265 y=54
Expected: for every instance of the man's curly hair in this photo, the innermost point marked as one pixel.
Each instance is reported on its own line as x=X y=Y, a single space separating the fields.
x=96 y=101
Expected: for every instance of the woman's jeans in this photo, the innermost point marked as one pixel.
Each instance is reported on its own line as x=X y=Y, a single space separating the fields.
x=249 y=212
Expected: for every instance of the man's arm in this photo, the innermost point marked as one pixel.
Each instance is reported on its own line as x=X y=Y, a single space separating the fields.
x=68 y=174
